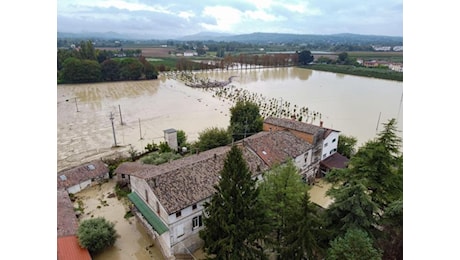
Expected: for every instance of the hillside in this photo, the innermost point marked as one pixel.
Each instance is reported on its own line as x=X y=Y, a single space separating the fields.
x=258 y=38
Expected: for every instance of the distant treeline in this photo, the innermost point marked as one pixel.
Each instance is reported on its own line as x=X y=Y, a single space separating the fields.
x=83 y=64
x=380 y=73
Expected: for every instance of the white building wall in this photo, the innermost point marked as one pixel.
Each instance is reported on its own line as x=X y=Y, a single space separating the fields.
x=143 y=190
x=74 y=189
x=330 y=145
x=184 y=238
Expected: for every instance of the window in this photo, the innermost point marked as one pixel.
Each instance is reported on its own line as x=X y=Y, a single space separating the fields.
x=122 y=176
x=146 y=196
x=197 y=222
x=194 y=206
x=324 y=155
x=325 y=145
x=180 y=231
x=178 y=214
x=158 y=208
x=333 y=140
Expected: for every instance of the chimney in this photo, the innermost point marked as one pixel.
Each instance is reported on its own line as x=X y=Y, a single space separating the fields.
x=320 y=123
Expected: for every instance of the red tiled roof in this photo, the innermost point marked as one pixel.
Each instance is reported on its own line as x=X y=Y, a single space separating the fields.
x=67 y=223
x=294 y=124
x=335 y=161
x=188 y=180
x=276 y=147
x=68 y=248
x=76 y=175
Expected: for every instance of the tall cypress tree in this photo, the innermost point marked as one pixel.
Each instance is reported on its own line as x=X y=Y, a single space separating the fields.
x=234 y=219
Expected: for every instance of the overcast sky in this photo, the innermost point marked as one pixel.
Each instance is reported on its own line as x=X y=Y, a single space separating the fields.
x=163 y=18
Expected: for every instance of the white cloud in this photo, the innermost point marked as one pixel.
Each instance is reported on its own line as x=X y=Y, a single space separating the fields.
x=225 y=17
x=186 y=14
x=382 y=17
x=262 y=15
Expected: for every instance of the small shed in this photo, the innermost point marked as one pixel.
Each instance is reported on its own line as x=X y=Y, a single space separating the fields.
x=80 y=177
x=335 y=161
x=171 y=138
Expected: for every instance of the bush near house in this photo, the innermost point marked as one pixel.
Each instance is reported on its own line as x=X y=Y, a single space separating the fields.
x=96 y=234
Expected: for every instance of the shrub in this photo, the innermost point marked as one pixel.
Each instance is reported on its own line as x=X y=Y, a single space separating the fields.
x=96 y=234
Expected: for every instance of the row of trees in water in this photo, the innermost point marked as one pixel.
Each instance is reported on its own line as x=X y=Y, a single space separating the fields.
x=245 y=220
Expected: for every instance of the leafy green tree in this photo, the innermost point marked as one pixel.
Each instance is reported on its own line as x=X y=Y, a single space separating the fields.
x=149 y=70
x=96 y=234
x=63 y=54
x=245 y=120
x=305 y=57
x=131 y=69
x=234 y=219
x=343 y=57
x=87 y=51
x=181 y=138
x=354 y=245
x=80 y=71
x=296 y=227
x=346 y=145
x=213 y=137
x=110 y=70
x=103 y=55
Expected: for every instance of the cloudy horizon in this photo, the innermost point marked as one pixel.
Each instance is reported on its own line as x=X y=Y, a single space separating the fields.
x=166 y=19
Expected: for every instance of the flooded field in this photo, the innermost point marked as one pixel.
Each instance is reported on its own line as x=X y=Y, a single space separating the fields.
x=141 y=110
x=146 y=108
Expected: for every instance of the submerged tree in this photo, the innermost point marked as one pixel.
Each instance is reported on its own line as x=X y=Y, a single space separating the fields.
x=234 y=219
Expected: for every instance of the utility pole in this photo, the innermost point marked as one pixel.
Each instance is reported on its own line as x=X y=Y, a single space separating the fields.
x=121 y=119
x=76 y=105
x=113 y=129
x=378 y=121
x=140 y=132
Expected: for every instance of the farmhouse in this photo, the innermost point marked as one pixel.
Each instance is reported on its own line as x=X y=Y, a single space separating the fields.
x=80 y=177
x=169 y=197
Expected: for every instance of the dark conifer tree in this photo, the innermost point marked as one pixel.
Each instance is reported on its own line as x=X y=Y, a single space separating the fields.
x=234 y=218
